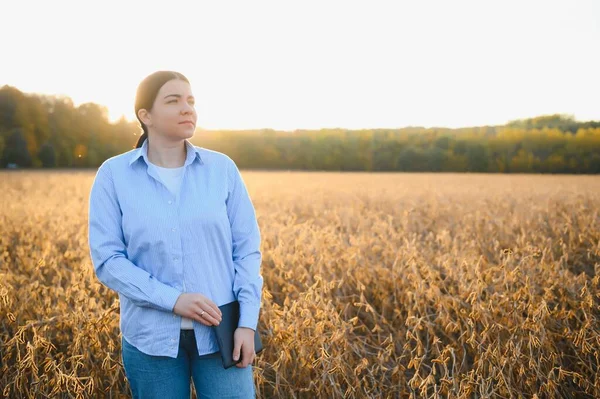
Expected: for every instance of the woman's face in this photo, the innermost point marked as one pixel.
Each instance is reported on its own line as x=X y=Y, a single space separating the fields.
x=174 y=104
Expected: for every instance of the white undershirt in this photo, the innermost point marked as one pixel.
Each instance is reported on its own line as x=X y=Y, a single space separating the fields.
x=172 y=177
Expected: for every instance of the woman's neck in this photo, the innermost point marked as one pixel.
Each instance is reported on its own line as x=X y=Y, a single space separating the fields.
x=166 y=153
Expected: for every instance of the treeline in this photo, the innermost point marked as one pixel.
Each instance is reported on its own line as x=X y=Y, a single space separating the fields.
x=49 y=131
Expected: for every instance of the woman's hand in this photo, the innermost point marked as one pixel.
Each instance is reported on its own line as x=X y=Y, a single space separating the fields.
x=243 y=342
x=191 y=305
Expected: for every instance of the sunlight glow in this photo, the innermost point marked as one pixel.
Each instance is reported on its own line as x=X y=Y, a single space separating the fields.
x=316 y=64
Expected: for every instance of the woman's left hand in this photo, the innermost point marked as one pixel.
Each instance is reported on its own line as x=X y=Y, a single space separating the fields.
x=243 y=342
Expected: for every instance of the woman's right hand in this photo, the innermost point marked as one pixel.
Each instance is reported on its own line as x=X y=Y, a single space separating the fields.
x=191 y=304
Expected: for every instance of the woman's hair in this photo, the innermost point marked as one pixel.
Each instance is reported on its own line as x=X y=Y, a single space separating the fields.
x=146 y=94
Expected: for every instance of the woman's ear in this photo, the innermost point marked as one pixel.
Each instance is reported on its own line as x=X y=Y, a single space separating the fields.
x=145 y=117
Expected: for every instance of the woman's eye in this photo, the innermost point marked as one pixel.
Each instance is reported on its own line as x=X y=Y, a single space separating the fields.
x=192 y=103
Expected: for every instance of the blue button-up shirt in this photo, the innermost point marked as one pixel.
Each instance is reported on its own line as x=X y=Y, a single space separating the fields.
x=147 y=244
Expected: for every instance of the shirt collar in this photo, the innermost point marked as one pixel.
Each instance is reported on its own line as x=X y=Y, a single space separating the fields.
x=192 y=153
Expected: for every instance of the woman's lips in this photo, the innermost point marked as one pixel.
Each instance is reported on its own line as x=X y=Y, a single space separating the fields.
x=186 y=123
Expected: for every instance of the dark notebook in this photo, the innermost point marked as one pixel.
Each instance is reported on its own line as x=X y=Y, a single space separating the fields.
x=224 y=332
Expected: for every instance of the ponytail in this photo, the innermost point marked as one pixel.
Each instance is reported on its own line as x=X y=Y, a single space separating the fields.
x=143 y=137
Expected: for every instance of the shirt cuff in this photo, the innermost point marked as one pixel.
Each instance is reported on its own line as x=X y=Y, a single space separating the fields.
x=169 y=296
x=249 y=315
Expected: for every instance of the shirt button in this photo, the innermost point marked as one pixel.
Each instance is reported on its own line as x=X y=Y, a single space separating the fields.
x=170 y=202
x=174 y=258
x=173 y=229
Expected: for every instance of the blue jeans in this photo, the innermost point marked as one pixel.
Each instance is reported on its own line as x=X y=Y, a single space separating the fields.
x=165 y=377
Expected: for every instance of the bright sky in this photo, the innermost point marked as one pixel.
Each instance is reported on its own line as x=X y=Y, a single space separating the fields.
x=316 y=64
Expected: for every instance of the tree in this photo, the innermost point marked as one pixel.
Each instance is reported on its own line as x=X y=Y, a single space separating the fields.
x=47 y=155
x=477 y=158
x=15 y=150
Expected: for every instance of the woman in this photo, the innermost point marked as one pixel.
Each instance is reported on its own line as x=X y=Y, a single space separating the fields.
x=173 y=231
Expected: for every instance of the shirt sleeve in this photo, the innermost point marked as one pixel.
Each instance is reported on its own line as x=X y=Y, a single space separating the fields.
x=247 y=257
x=109 y=253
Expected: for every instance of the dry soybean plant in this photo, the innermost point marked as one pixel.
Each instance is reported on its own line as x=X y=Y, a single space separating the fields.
x=377 y=285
